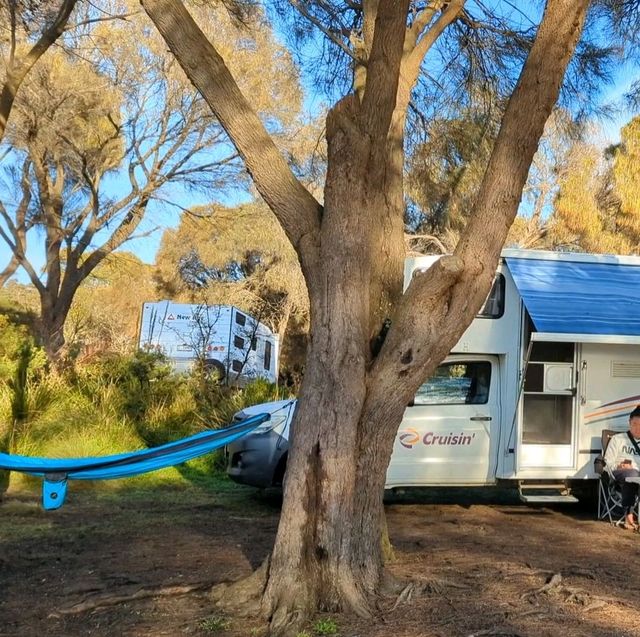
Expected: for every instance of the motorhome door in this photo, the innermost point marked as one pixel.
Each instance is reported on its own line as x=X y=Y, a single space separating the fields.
x=547 y=434
x=446 y=434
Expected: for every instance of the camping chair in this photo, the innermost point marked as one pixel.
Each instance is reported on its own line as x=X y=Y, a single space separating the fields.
x=609 y=491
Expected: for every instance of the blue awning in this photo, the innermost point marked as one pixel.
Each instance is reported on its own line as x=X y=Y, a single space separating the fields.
x=579 y=297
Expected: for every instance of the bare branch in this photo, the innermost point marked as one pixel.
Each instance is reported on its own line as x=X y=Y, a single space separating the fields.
x=120 y=16
x=9 y=270
x=421 y=21
x=334 y=37
x=447 y=288
x=297 y=210
x=380 y=94
x=123 y=231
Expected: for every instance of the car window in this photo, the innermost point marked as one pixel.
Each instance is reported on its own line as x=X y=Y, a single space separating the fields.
x=459 y=383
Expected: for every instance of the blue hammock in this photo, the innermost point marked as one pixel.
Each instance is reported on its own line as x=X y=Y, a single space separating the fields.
x=56 y=472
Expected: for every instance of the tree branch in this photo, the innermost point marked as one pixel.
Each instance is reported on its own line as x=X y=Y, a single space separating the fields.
x=421 y=21
x=296 y=209
x=380 y=95
x=119 y=16
x=522 y=127
x=15 y=75
x=441 y=302
x=124 y=230
x=10 y=269
x=299 y=6
x=422 y=46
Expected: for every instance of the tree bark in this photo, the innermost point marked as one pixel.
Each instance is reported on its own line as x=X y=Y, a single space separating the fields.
x=16 y=73
x=52 y=321
x=328 y=550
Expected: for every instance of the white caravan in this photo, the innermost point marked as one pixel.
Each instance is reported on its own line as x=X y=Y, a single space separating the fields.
x=552 y=359
x=225 y=339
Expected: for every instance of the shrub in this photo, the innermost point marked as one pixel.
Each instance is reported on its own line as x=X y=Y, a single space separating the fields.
x=117 y=404
x=215 y=623
x=326 y=627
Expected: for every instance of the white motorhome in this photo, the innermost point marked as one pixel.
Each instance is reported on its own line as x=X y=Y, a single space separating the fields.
x=552 y=359
x=222 y=337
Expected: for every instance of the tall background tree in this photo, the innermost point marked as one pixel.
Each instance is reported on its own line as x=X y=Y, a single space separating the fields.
x=238 y=256
x=328 y=551
x=596 y=207
x=100 y=137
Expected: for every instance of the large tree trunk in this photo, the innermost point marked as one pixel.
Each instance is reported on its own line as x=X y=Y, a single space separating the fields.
x=327 y=553
x=53 y=341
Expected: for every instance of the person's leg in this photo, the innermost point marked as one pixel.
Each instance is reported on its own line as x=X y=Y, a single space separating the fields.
x=629 y=492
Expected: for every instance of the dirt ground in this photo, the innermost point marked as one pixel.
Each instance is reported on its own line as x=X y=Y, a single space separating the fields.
x=481 y=565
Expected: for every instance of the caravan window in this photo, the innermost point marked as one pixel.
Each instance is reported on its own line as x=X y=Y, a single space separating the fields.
x=459 y=383
x=241 y=319
x=237 y=366
x=267 y=355
x=494 y=305
x=238 y=342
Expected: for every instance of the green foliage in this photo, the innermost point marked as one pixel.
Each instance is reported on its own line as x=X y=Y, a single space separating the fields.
x=20 y=363
x=215 y=624
x=128 y=385
x=14 y=338
x=113 y=405
x=326 y=626
x=596 y=209
x=445 y=170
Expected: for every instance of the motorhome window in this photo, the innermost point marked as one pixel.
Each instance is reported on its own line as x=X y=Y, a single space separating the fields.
x=547 y=419
x=241 y=319
x=459 y=383
x=236 y=366
x=254 y=343
x=494 y=305
x=238 y=342
x=534 y=379
x=552 y=352
x=267 y=355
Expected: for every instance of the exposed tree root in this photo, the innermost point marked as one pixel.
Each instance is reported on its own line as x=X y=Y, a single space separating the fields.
x=244 y=597
x=392 y=585
x=552 y=583
x=105 y=599
x=288 y=620
x=573 y=595
x=289 y=607
x=425 y=587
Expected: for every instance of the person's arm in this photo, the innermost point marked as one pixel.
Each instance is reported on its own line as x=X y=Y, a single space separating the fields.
x=612 y=452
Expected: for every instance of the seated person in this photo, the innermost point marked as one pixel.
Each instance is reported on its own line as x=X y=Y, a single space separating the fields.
x=478 y=393
x=622 y=461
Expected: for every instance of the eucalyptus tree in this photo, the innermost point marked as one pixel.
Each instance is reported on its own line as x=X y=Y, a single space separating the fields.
x=236 y=256
x=99 y=140
x=28 y=30
x=328 y=552
x=596 y=208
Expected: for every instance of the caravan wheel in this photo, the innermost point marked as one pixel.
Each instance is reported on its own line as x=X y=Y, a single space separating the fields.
x=214 y=369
